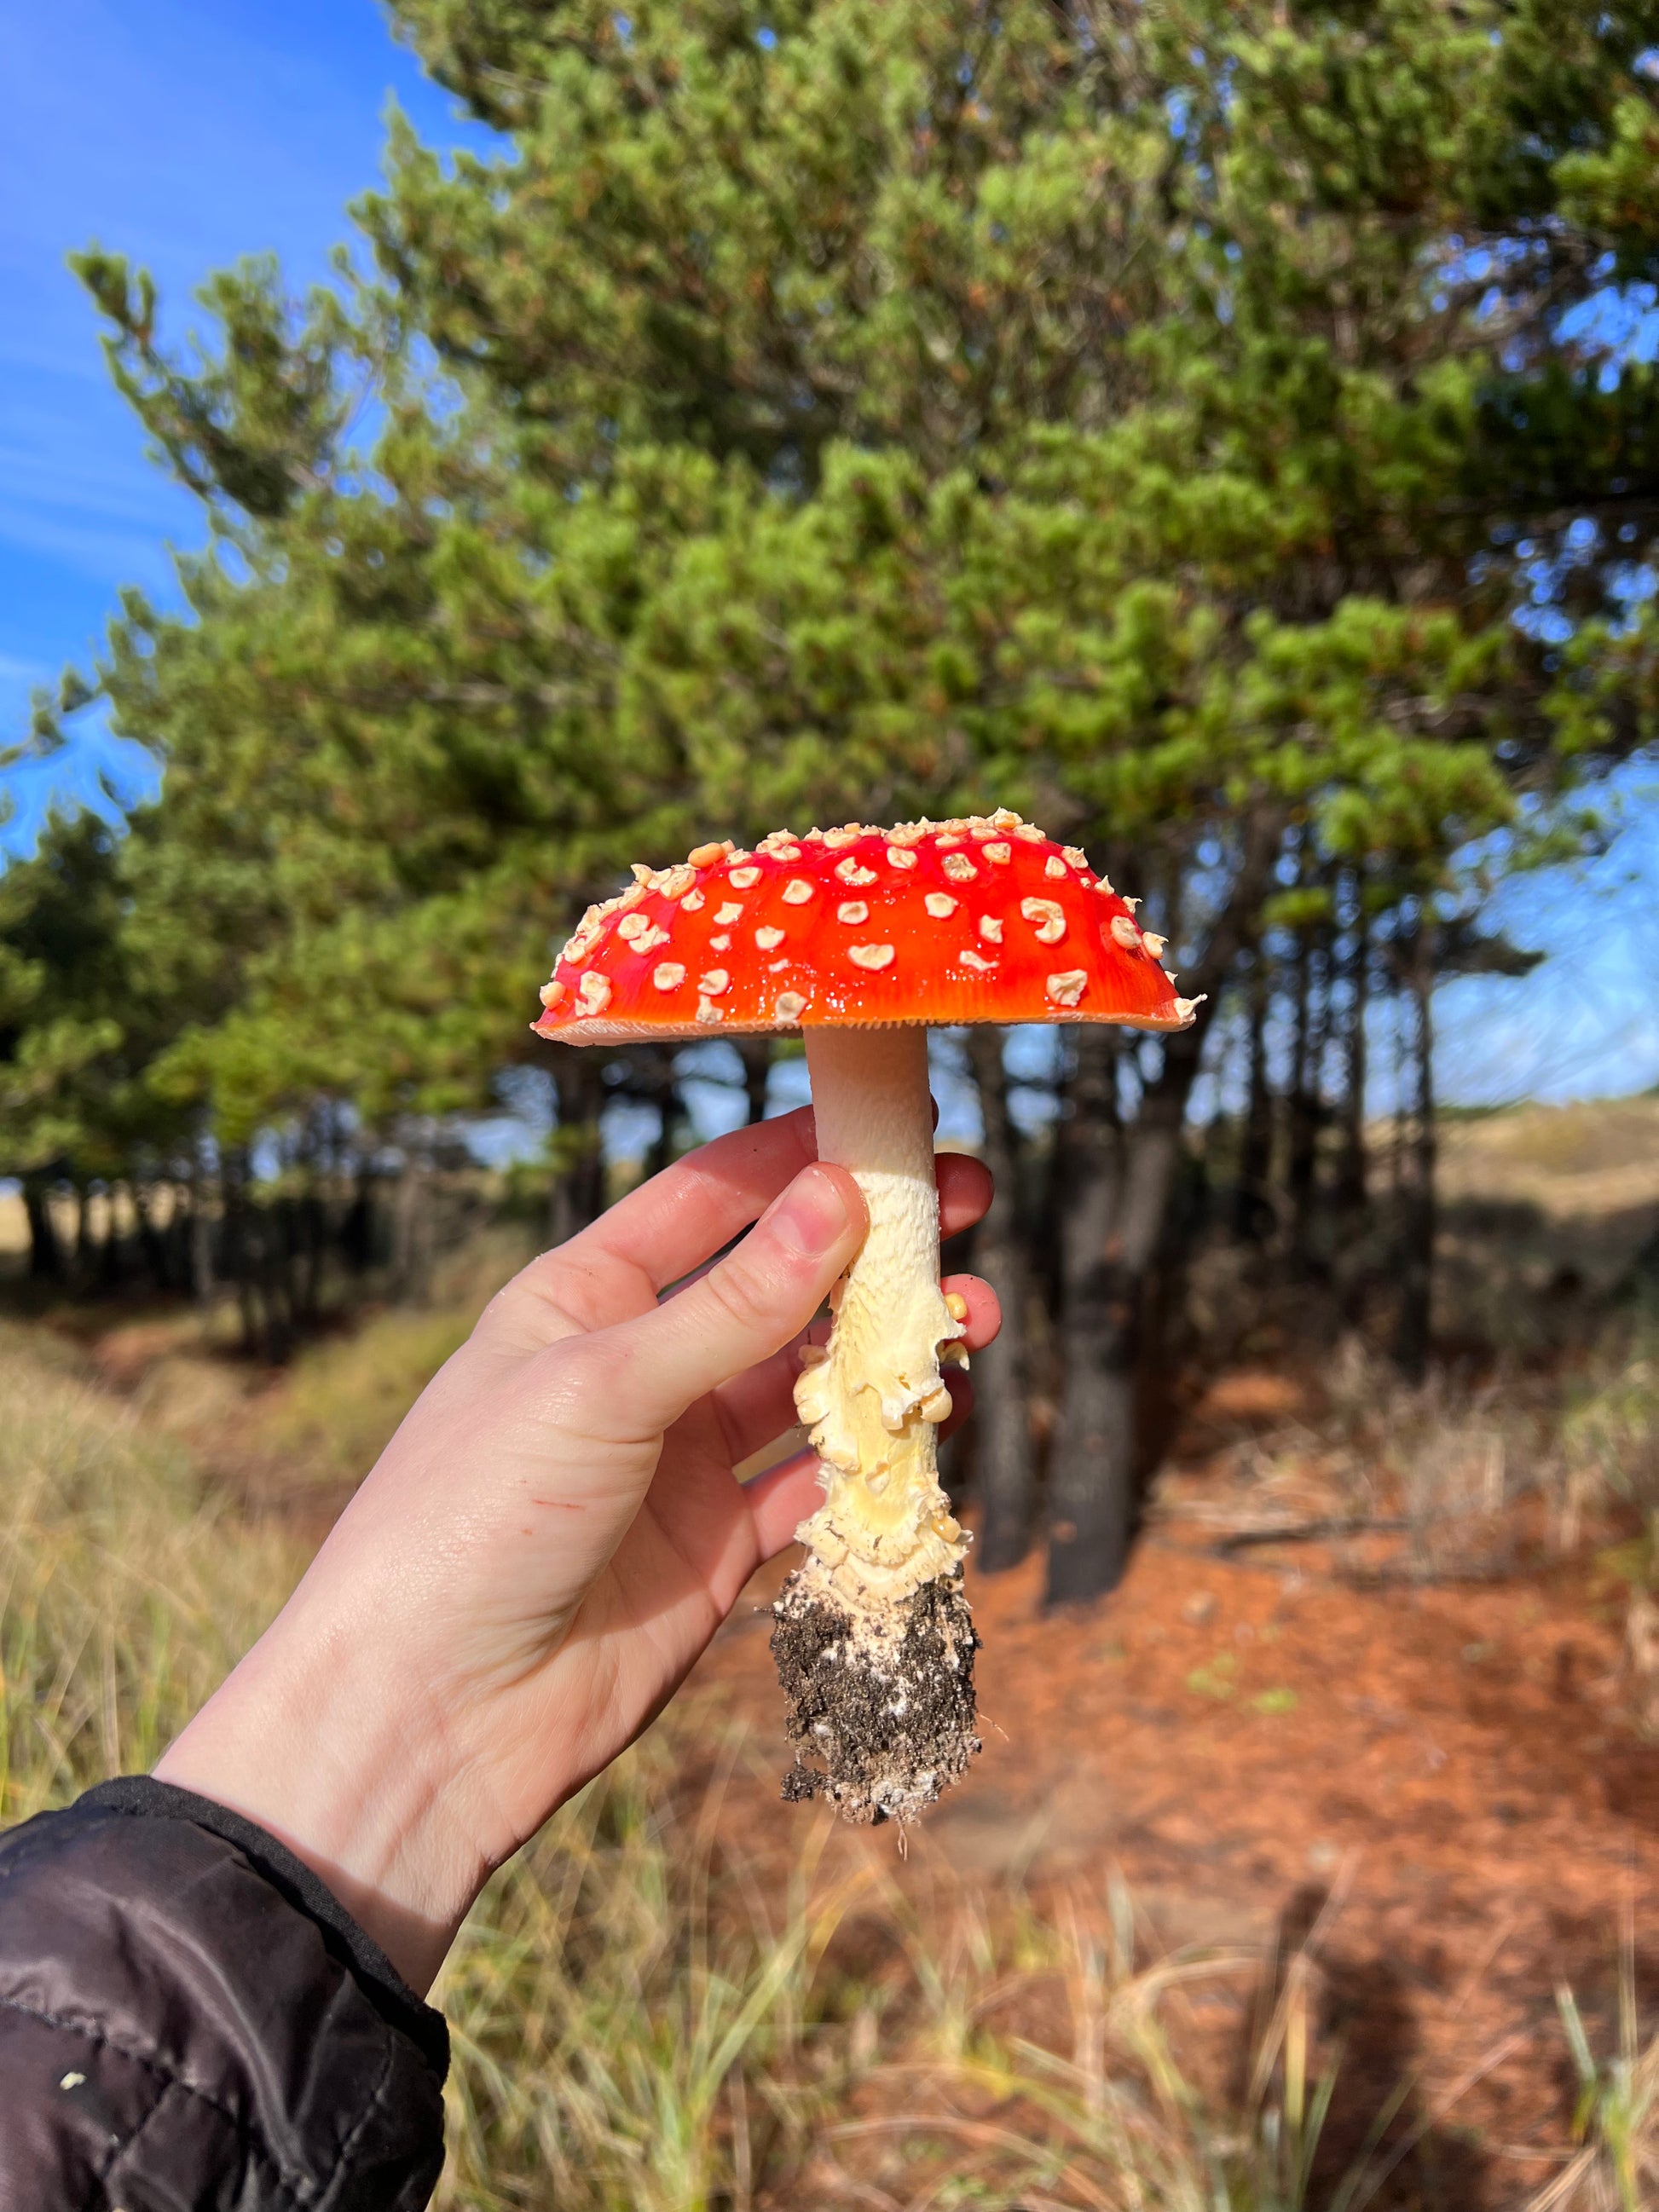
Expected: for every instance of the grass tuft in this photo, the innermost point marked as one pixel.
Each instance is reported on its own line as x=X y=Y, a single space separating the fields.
x=125 y=1593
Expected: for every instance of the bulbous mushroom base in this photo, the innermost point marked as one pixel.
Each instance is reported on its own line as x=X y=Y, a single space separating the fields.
x=880 y=1708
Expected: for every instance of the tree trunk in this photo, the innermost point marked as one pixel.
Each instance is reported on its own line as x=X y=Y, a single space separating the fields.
x=85 y=1249
x=178 y=1236
x=1002 y=1418
x=46 y=1253
x=1351 y=1170
x=1113 y=1232
x=1298 y=1120
x=1255 y=1216
x=578 y=1193
x=1092 y=1470
x=755 y=1053
x=1117 y=1193
x=412 y=1244
x=275 y=1247
x=152 y=1245
x=309 y=1217
x=239 y=1242
x=1417 y=1169
x=110 y=1269
x=661 y=1064
x=201 y=1228
x=359 y=1239
x=311 y=1257
x=1307 y=1106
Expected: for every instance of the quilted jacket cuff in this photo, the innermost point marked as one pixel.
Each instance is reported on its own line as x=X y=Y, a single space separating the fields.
x=193 y=2017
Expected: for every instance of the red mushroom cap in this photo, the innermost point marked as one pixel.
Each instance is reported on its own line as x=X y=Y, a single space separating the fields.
x=981 y=920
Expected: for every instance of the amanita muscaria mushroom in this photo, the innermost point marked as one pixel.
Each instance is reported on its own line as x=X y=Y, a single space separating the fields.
x=860 y=938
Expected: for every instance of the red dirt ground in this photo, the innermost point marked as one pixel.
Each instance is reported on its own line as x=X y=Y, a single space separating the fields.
x=1242 y=1739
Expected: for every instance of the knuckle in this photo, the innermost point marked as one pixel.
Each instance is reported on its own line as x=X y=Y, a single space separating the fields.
x=744 y=1298
x=582 y=1377
x=540 y=1292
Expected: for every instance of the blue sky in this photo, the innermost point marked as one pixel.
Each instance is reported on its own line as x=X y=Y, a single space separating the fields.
x=184 y=134
x=187 y=133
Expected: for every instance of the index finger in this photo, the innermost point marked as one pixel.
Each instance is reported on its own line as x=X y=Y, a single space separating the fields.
x=615 y=1268
x=677 y=1220
x=680 y=1218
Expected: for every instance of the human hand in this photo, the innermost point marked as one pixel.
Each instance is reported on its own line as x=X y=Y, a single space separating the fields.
x=550 y=1541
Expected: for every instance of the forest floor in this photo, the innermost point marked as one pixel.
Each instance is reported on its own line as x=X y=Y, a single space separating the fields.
x=1407 y=1741
x=1443 y=1777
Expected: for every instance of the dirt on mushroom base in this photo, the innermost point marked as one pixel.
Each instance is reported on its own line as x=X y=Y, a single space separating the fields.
x=878 y=1734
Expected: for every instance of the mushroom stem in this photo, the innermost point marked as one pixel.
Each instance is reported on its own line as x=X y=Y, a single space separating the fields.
x=873 y=1398
x=873 y=1642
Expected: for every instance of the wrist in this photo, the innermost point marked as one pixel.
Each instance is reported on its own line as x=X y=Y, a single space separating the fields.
x=309 y=1738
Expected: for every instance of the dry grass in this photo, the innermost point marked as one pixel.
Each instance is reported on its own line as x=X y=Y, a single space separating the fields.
x=336 y=1408
x=1545 y=1211
x=650 y=2014
x=1470 y=1477
x=642 y=2022
x=1580 y=1158
x=1617 y=2119
x=125 y=1593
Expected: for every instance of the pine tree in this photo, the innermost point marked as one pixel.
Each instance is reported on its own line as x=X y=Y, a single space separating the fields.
x=1183 y=420
x=79 y=1029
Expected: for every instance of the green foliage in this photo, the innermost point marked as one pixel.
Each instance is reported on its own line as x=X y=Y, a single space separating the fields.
x=251 y=428
x=78 y=1030
x=1156 y=417
x=1618 y=2098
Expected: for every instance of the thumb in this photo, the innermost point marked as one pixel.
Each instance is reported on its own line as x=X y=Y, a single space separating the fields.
x=750 y=1305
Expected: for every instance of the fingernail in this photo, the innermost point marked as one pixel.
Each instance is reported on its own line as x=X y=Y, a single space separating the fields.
x=811 y=1215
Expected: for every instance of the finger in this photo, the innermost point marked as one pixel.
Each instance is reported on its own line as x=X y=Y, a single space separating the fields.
x=679 y=1217
x=616 y=1267
x=984 y=1316
x=780 y=1499
x=670 y=1226
x=759 y=1404
x=742 y=1311
x=964 y=1191
x=672 y=1223
x=965 y=1188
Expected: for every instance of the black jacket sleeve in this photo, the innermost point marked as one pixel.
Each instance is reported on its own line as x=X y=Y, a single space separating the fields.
x=190 y=2022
